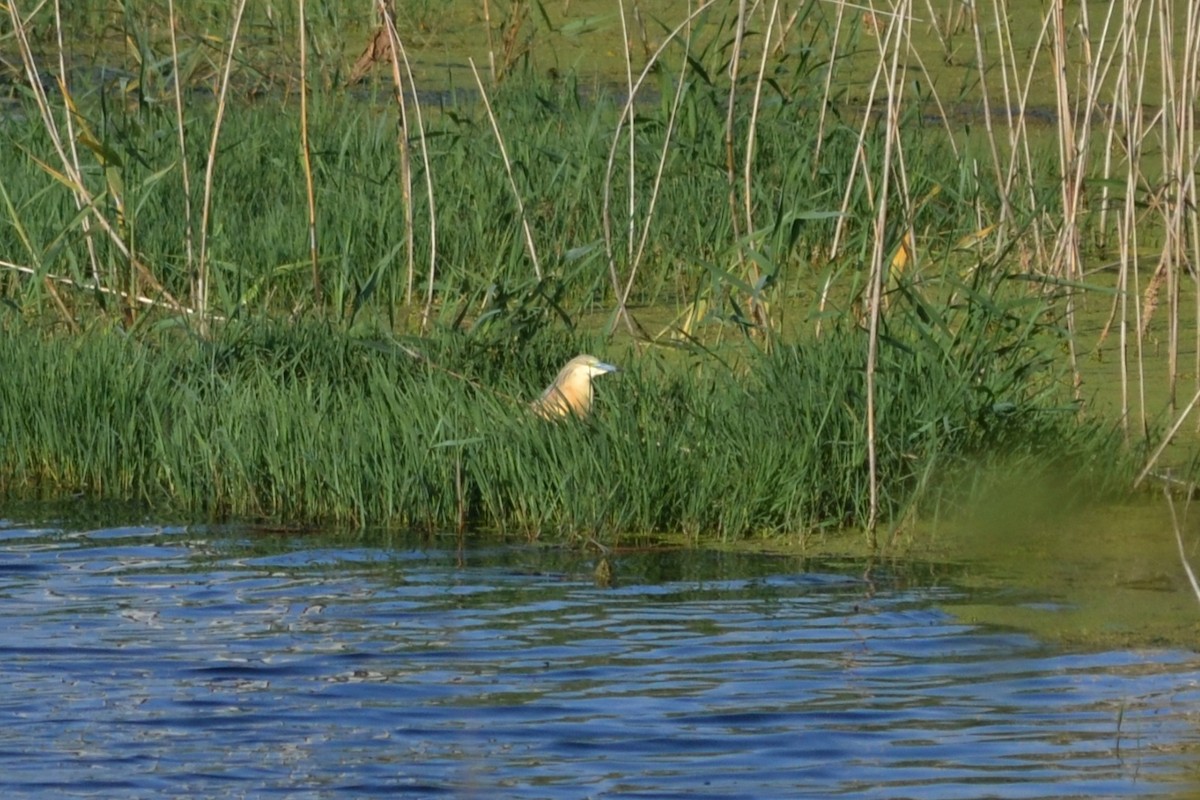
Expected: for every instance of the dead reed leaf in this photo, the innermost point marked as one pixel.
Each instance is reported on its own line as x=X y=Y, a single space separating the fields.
x=377 y=51
x=902 y=256
x=1150 y=296
x=969 y=241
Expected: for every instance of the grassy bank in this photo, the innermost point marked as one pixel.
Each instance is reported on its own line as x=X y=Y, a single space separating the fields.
x=303 y=423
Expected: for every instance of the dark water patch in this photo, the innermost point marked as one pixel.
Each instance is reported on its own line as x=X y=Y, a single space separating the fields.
x=89 y=79
x=200 y=662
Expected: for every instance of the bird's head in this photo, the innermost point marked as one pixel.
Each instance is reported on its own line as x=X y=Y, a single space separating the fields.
x=571 y=392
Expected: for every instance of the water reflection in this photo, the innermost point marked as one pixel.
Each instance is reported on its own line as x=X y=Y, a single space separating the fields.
x=200 y=662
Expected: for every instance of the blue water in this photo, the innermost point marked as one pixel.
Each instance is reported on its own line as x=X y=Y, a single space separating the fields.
x=189 y=662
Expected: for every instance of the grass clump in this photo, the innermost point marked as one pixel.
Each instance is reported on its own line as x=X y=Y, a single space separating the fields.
x=304 y=423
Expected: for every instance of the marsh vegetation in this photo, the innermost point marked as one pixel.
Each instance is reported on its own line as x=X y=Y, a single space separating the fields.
x=850 y=261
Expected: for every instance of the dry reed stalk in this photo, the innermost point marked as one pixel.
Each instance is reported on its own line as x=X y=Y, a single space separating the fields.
x=1171 y=195
x=518 y=11
x=180 y=128
x=63 y=311
x=397 y=46
x=1166 y=440
x=606 y=192
x=1075 y=141
x=897 y=37
x=200 y=285
x=631 y=222
x=636 y=259
x=1185 y=221
x=1066 y=262
x=1171 y=131
x=1129 y=90
x=1112 y=120
x=825 y=106
x=405 y=156
x=938 y=30
x=989 y=129
x=785 y=29
x=487 y=24
x=72 y=171
x=512 y=182
x=1187 y=568
x=759 y=312
x=861 y=157
x=622 y=312
x=752 y=130
x=735 y=59
x=860 y=161
x=306 y=156
x=1097 y=67
x=881 y=72
x=937 y=100
x=1110 y=145
x=85 y=223
x=1020 y=153
x=641 y=25
x=1190 y=85
x=99 y=288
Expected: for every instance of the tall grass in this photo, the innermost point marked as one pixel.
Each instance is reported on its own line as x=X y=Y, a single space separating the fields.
x=553 y=136
x=258 y=245
x=305 y=423
x=755 y=157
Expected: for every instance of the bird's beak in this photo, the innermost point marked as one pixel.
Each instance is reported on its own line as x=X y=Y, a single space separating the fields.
x=602 y=367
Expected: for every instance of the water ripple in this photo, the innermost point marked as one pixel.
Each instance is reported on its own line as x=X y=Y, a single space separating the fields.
x=147 y=662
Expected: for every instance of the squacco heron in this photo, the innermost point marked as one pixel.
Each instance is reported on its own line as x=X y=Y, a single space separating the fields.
x=571 y=392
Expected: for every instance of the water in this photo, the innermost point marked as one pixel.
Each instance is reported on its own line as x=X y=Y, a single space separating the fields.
x=141 y=662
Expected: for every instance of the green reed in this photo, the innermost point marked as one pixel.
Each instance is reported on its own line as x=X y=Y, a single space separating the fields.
x=258 y=241
x=303 y=423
